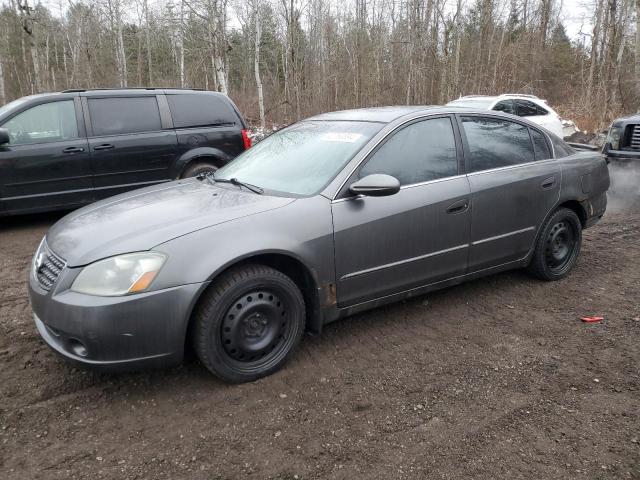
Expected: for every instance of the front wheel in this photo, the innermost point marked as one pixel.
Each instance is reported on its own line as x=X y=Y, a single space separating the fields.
x=248 y=322
x=558 y=246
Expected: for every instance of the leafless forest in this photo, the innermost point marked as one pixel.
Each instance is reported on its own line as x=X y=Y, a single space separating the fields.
x=281 y=60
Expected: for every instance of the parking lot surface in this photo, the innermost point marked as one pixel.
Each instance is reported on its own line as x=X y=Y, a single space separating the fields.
x=497 y=378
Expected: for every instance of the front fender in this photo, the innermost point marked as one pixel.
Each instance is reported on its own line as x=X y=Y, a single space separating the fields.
x=302 y=229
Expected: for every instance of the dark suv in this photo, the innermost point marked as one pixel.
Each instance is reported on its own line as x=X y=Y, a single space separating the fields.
x=63 y=150
x=623 y=140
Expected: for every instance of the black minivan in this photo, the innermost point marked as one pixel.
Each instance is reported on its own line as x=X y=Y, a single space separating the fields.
x=63 y=150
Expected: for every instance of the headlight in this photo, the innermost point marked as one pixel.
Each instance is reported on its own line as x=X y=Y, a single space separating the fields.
x=614 y=137
x=120 y=275
x=38 y=258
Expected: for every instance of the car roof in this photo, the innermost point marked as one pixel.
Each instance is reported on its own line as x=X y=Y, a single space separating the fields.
x=380 y=114
x=520 y=96
x=117 y=92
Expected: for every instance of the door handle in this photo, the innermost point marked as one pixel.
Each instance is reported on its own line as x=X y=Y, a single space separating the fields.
x=459 y=206
x=104 y=146
x=549 y=182
x=73 y=150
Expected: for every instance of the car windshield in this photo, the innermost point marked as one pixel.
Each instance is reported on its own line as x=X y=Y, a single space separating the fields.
x=479 y=103
x=302 y=158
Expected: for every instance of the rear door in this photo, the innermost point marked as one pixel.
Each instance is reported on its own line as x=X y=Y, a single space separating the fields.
x=514 y=184
x=419 y=236
x=46 y=164
x=131 y=146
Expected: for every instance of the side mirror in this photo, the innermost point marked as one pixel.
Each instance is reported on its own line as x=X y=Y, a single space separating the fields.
x=4 y=136
x=376 y=185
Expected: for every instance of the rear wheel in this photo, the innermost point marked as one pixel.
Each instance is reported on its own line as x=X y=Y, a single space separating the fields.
x=558 y=246
x=198 y=169
x=248 y=322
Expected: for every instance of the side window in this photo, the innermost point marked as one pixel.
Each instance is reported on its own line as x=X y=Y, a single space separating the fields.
x=50 y=122
x=561 y=148
x=540 y=146
x=495 y=143
x=541 y=110
x=420 y=152
x=505 y=106
x=526 y=108
x=200 y=110
x=113 y=116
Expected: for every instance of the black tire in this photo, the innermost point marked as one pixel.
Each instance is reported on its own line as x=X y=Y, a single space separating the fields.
x=248 y=322
x=197 y=169
x=558 y=246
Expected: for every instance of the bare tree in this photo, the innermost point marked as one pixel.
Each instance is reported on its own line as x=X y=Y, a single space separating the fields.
x=258 y=36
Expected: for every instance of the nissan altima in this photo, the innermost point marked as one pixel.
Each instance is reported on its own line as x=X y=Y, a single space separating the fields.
x=330 y=216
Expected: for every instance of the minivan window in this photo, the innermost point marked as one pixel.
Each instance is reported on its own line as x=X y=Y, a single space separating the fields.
x=495 y=143
x=199 y=110
x=300 y=159
x=420 y=152
x=113 y=116
x=49 y=122
x=540 y=146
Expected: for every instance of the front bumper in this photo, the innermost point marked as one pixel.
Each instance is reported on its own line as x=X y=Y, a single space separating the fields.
x=115 y=333
x=621 y=155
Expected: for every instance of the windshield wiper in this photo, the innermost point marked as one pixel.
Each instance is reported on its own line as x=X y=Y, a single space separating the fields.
x=235 y=181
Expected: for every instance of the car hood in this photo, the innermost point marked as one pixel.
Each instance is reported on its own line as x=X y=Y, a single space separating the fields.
x=141 y=219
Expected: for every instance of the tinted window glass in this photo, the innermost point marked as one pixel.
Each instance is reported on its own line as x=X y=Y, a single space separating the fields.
x=112 y=116
x=560 y=148
x=420 y=152
x=540 y=145
x=541 y=111
x=505 y=106
x=526 y=108
x=50 y=122
x=496 y=143
x=194 y=110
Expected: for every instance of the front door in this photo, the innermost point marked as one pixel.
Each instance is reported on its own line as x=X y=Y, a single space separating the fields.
x=46 y=164
x=514 y=182
x=419 y=236
x=129 y=147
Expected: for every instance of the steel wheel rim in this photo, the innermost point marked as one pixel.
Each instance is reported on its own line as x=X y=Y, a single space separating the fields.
x=560 y=246
x=256 y=328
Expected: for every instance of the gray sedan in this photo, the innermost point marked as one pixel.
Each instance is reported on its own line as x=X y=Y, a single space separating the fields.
x=331 y=216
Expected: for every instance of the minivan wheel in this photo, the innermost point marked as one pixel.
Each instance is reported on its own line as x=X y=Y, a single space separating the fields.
x=198 y=169
x=558 y=246
x=248 y=322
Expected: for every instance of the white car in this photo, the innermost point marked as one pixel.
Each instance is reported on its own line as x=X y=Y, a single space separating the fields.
x=530 y=106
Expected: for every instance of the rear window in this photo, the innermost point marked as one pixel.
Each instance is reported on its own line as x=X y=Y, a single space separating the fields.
x=200 y=110
x=495 y=143
x=529 y=109
x=540 y=146
x=560 y=147
x=114 y=116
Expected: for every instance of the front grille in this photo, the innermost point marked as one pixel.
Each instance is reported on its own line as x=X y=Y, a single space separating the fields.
x=48 y=266
x=634 y=137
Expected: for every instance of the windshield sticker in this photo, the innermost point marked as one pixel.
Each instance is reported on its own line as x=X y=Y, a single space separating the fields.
x=341 y=137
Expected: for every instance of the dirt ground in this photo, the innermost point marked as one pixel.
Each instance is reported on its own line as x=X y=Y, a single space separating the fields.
x=497 y=378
